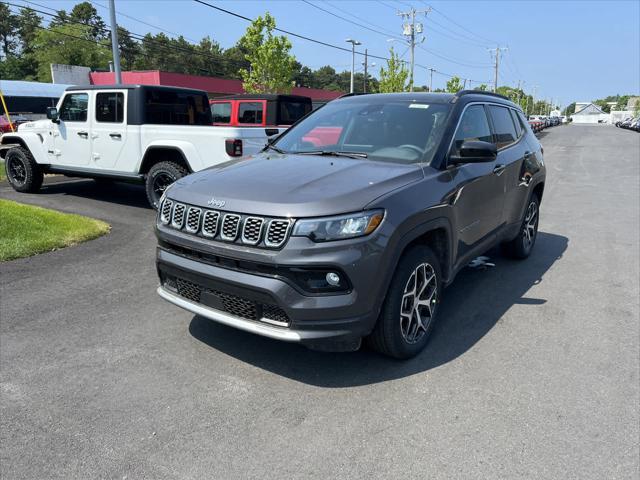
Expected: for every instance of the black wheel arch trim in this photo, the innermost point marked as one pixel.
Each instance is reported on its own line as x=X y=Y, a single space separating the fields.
x=147 y=162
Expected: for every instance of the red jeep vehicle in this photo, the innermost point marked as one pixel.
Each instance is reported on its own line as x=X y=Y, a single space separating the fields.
x=259 y=110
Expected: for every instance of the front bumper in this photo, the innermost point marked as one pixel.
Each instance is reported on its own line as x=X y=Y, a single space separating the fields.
x=307 y=319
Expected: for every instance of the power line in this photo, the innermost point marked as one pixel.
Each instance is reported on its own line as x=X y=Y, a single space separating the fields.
x=349 y=21
x=461 y=26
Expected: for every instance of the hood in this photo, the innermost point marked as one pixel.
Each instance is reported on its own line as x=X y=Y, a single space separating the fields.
x=37 y=125
x=293 y=185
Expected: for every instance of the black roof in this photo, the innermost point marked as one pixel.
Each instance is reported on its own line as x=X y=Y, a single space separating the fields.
x=262 y=96
x=131 y=87
x=426 y=97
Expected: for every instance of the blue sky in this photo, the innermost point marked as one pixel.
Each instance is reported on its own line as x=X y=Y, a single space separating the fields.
x=571 y=50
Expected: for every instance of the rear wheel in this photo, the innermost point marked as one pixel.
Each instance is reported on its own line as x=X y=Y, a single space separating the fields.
x=408 y=314
x=23 y=173
x=521 y=246
x=160 y=176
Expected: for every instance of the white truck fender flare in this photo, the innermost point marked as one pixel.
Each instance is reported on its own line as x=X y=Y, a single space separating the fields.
x=34 y=142
x=187 y=149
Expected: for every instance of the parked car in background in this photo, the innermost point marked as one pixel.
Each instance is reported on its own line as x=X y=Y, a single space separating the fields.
x=136 y=133
x=6 y=126
x=354 y=235
x=250 y=120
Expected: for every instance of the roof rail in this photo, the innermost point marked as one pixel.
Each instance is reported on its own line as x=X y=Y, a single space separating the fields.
x=480 y=92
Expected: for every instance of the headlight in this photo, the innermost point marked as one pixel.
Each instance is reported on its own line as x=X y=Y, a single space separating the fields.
x=339 y=228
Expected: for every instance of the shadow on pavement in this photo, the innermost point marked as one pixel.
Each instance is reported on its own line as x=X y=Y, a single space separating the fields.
x=471 y=306
x=128 y=194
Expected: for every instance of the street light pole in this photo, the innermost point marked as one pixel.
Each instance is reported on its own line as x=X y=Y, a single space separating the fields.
x=114 y=42
x=353 y=58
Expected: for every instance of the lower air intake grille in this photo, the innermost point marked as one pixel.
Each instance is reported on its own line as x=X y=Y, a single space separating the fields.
x=272 y=312
x=189 y=290
x=238 y=306
x=231 y=304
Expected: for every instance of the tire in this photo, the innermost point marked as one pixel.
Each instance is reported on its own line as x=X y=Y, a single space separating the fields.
x=160 y=176
x=23 y=173
x=521 y=246
x=392 y=334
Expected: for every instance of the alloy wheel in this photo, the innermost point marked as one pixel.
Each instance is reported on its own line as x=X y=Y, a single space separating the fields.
x=530 y=226
x=160 y=183
x=418 y=303
x=17 y=171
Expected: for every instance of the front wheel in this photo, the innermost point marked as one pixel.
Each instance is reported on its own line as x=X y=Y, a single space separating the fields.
x=23 y=173
x=521 y=246
x=408 y=314
x=160 y=176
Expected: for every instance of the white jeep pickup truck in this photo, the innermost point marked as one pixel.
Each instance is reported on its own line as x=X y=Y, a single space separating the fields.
x=147 y=134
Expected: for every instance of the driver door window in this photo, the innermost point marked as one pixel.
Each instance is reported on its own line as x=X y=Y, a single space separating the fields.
x=74 y=108
x=473 y=126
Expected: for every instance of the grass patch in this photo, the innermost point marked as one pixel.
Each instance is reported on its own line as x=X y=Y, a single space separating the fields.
x=26 y=230
x=2 y=174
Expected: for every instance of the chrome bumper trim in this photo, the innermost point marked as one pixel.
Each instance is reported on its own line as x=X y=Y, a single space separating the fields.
x=278 y=333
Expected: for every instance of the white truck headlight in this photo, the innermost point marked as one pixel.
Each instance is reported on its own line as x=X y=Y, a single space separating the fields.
x=339 y=228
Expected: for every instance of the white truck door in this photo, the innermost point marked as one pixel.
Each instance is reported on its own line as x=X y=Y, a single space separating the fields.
x=72 y=143
x=109 y=132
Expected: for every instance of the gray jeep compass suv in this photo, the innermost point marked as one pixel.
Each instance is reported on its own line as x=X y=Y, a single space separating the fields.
x=350 y=224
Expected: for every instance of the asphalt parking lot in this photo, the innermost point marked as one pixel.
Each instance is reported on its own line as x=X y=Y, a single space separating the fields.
x=532 y=370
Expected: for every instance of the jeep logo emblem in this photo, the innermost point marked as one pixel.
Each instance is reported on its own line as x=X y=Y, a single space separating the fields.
x=214 y=202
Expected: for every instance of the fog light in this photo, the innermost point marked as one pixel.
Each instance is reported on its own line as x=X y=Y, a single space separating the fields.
x=333 y=279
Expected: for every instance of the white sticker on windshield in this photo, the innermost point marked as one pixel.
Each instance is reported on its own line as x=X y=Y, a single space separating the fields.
x=418 y=105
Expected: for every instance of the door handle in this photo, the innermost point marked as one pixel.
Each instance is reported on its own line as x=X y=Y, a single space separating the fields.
x=115 y=135
x=498 y=169
x=528 y=155
x=83 y=134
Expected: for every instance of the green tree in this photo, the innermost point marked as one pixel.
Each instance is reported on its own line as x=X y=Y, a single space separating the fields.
x=394 y=77
x=483 y=87
x=569 y=109
x=454 y=85
x=8 y=29
x=70 y=44
x=272 y=65
x=86 y=13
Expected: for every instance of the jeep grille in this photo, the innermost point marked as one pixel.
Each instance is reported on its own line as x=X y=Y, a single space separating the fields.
x=252 y=230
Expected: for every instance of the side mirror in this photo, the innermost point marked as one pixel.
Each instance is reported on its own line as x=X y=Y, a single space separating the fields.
x=475 y=152
x=52 y=114
x=272 y=139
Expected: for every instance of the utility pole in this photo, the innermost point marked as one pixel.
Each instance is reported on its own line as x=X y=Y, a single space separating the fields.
x=431 y=70
x=114 y=41
x=364 y=87
x=409 y=29
x=366 y=69
x=497 y=51
x=353 y=58
x=533 y=99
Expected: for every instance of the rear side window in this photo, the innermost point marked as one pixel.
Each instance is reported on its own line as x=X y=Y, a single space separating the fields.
x=250 y=112
x=221 y=112
x=505 y=130
x=291 y=112
x=473 y=126
x=166 y=107
x=517 y=123
x=109 y=107
x=74 y=107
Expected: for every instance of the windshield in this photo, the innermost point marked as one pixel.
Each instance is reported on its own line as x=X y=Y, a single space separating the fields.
x=398 y=131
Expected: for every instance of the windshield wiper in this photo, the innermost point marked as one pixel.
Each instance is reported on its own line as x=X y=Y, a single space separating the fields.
x=269 y=146
x=329 y=153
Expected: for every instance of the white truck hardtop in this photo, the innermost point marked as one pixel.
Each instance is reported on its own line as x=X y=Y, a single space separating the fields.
x=136 y=133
